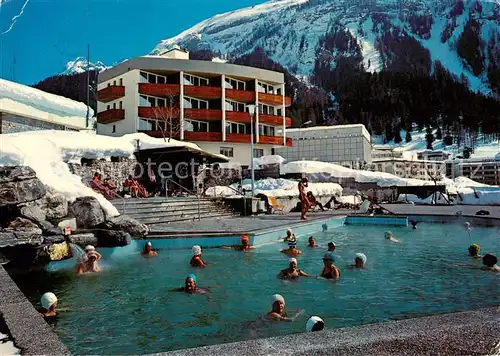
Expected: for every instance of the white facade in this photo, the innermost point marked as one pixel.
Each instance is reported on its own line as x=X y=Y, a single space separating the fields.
x=379 y=152
x=418 y=169
x=344 y=144
x=431 y=155
x=238 y=153
x=482 y=170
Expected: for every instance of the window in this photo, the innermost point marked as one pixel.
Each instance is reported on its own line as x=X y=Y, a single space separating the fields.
x=121 y=105
x=108 y=107
x=235 y=84
x=152 y=78
x=234 y=106
x=109 y=84
x=266 y=130
x=266 y=109
x=258 y=152
x=266 y=88
x=114 y=128
x=196 y=126
x=114 y=82
x=114 y=106
x=121 y=82
x=236 y=128
x=227 y=151
x=191 y=103
x=195 y=80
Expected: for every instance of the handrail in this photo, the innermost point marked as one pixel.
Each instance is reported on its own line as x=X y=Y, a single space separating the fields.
x=187 y=190
x=123 y=200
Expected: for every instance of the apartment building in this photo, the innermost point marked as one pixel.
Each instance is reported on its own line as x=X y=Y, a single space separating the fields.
x=418 y=169
x=482 y=170
x=210 y=103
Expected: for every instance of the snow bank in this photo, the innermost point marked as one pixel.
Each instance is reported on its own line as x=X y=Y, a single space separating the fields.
x=277 y=188
x=350 y=199
x=267 y=160
x=479 y=196
x=48 y=151
x=438 y=198
x=382 y=179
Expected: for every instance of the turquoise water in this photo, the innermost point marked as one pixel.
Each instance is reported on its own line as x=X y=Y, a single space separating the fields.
x=128 y=308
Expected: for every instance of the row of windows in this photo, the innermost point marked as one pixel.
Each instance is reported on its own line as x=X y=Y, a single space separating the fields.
x=195 y=126
x=191 y=103
x=114 y=106
x=269 y=89
x=237 y=128
x=235 y=84
x=153 y=78
x=266 y=130
x=235 y=106
x=229 y=152
x=190 y=79
x=157 y=125
x=120 y=81
x=269 y=110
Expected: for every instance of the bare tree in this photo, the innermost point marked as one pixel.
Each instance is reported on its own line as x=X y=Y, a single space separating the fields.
x=168 y=118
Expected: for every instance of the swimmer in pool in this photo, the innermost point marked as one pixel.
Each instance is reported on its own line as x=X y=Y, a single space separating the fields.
x=359 y=261
x=196 y=260
x=490 y=263
x=330 y=271
x=245 y=245
x=388 y=236
x=278 y=310
x=289 y=235
x=331 y=246
x=88 y=263
x=148 y=250
x=315 y=323
x=312 y=242
x=413 y=224
x=292 y=248
x=292 y=272
x=474 y=251
x=49 y=304
x=190 y=286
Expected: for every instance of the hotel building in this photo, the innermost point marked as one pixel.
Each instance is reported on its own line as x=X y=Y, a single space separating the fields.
x=208 y=103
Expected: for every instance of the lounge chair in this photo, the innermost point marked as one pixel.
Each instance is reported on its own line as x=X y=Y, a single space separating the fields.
x=275 y=206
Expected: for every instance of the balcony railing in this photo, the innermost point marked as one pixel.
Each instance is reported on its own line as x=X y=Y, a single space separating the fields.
x=274 y=120
x=271 y=140
x=161 y=90
x=111 y=115
x=203 y=114
x=112 y=92
x=242 y=96
x=157 y=112
x=188 y=135
x=203 y=92
x=237 y=138
x=237 y=116
x=273 y=99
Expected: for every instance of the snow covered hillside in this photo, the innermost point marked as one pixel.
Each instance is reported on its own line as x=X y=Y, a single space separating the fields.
x=295 y=33
x=79 y=65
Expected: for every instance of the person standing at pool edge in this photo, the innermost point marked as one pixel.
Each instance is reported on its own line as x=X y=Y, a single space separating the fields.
x=304 y=202
x=278 y=310
x=196 y=260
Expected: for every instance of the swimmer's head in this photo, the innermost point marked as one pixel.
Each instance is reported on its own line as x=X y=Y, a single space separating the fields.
x=311 y=240
x=245 y=241
x=196 y=250
x=331 y=246
x=328 y=258
x=489 y=260
x=292 y=262
x=360 y=260
x=278 y=303
x=190 y=282
x=324 y=227
x=92 y=256
x=388 y=235
x=148 y=246
x=315 y=323
x=289 y=232
x=474 y=250
x=89 y=248
x=304 y=180
x=49 y=301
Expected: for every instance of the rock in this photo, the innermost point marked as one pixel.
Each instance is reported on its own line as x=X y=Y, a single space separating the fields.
x=56 y=206
x=16 y=173
x=54 y=239
x=8 y=239
x=127 y=224
x=110 y=238
x=18 y=192
x=33 y=210
x=3 y=259
x=84 y=239
x=67 y=222
x=22 y=223
x=45 y=226
x=24 y=231
x=55 y=230
x=87 y=211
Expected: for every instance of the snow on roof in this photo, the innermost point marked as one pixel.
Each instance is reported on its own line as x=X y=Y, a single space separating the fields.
x=321 y=128
x=41 y=100
x=48 y=151
x=267 y=160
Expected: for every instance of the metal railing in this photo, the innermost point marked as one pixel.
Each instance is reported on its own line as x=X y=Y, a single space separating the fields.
x=187 y=190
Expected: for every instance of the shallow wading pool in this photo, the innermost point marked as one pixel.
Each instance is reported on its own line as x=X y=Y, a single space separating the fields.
x=128 y=308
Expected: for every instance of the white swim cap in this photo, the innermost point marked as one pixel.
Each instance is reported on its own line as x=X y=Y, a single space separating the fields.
x=196 y=250
x=292 y=260
x=89 y=248
x=149 y=244
x=278 y=298
x=312 y=321
x=289 y=231
x=362 y=256
x=48 y=299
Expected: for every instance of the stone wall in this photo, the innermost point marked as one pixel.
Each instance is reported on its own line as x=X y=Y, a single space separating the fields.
x=118 y=171
x=13 y=124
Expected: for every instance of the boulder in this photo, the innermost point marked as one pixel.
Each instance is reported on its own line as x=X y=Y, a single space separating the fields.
x=110 y=238
x=18 y=192
x=46 y=227
x=7 y=238
x=67 y=222
x=56 y=206
x=127 y=224
x=87 y=211
x=16 y=173
x=54 y=239
x=55 y=230
x=83 y=239
x=24 y=231
x=35 y=210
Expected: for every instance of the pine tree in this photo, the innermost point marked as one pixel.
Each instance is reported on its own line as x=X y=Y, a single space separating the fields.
x=408 y=137
x=397 y=137
x=439 y=134
x=430 y=139
x=448 y=140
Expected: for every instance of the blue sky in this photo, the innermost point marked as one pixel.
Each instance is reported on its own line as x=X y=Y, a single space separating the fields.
x=50 y=33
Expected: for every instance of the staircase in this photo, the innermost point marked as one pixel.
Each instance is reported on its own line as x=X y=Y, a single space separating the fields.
x=161 y=210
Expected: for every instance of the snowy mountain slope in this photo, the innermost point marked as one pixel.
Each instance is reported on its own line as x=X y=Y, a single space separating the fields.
x=290 y=32
x=79 y=65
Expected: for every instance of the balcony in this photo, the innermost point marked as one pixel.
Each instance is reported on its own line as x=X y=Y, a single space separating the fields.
x=203 y=92
x=274 y=120
x=111 y=115
x=156 y=112
x=203 y=114
x=242 y=96
x=289 y=142
x=271 y=140
x=237 y=138
x=237 y=116
x=161 y=90
x=110 y=93
x=202 y=136
x=274 y=100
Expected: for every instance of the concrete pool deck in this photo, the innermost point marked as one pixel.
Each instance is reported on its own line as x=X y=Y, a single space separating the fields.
x=465 y=333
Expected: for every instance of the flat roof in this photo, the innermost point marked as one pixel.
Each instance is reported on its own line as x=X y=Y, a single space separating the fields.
x=152 y=63
x=321 y=128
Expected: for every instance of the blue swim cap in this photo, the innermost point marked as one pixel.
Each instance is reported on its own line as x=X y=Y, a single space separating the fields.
x=192 y=276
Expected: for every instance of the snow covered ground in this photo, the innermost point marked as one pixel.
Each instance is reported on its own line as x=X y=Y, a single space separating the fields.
x=48 y=151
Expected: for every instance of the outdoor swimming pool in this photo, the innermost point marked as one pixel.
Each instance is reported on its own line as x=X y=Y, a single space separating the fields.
x=128 y=308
